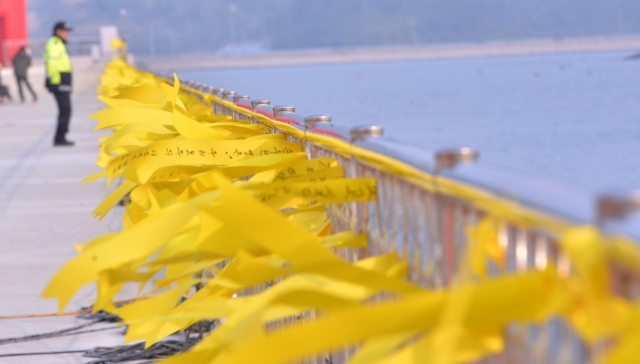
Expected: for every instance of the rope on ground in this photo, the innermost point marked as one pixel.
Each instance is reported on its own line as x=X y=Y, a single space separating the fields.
x=136 y=352
x=39 y=315
x=42 y=353
x=71 y=333
x=98 y=317
x=72 y=313
x=45 y=335
x=117 y=354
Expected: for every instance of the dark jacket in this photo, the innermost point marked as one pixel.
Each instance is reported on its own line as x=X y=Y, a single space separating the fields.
x=21 y=62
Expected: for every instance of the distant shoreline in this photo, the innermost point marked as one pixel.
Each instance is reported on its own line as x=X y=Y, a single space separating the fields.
x=391 y=53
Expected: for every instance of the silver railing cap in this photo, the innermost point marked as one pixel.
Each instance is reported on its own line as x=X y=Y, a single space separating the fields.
x=451 y=157
x=217 y=91
x=279 y=109
x=617 y=205
x=361 y=132
x=310 y=121
x=257 y=102
x=228 y=93
x=240 y=97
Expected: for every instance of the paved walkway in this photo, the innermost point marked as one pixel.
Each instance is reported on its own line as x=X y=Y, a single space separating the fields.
x=44 y=211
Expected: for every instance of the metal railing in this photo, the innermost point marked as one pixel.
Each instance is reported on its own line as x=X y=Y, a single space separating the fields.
x=422 y=214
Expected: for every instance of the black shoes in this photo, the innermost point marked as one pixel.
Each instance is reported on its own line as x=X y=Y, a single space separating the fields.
x=62 y=143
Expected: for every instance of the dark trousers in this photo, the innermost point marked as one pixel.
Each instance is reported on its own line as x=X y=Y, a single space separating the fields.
x=19 y=81
x=64 y=114
x=4 y=92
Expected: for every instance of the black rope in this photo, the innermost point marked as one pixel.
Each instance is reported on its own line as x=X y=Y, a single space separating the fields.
x=100 y=316
x=78 y=332
x=94 y=330
x=43 y=353
x=136 y=352
x=45 y=335
x=95 y=318
x=159 y=350
x=123 y=353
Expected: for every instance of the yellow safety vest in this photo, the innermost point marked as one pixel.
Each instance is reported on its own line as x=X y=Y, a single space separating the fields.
x=58 y=65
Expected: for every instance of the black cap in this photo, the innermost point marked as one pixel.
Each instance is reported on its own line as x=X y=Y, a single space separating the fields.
x=61 y=25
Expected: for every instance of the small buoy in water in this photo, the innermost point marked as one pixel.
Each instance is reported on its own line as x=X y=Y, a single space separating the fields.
x=537 y=73
x=359 y=75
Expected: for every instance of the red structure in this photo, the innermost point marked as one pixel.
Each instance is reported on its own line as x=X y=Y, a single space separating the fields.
x=13 y=27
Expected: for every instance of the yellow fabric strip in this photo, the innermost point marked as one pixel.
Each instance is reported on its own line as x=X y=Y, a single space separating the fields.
x=127 y=115
x=222 y=152
x=113 y=199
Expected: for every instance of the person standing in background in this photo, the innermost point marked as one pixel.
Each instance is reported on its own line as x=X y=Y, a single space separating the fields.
x=58 y=81
x=4 y=91
x=21 y=63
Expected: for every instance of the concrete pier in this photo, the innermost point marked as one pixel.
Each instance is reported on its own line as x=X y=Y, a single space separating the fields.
x=44 y=211
x=285 y=58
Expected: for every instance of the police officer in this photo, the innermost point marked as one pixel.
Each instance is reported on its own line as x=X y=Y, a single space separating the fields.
x=58 y=81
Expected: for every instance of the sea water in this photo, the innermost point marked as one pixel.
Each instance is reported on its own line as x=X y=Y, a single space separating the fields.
x=570 y=118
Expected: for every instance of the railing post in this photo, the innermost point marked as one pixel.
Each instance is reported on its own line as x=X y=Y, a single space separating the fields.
x=189 y=84
x=228 y=96
x=445 y=210
x=359 y=212
x=217 y=91
x=279 y=110
x=204 y=89
x=208 y=90
x=310 y=123
x=449 y=158
x=236 y=115
x=616 y=206
x=362 y=132
x=612 y=208
x=254 y=105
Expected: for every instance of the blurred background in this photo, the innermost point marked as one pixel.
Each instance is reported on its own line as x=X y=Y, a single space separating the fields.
x=164 y=27
x=161 y=27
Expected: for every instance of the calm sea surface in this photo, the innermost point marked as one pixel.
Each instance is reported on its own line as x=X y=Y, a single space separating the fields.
x=573 y=119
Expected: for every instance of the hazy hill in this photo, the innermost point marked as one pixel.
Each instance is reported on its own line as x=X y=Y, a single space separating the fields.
x=185 y=26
